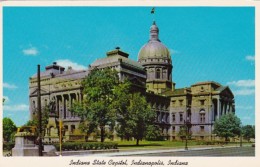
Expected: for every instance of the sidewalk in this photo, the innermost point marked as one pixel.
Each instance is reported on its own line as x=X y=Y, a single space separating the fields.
x=120 y=152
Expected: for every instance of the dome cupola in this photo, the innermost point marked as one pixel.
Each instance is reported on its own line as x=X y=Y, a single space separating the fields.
x=155 y=57
x=154 y=48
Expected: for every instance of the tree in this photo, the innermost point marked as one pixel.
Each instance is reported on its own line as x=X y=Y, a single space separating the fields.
x=8 y=129
x=121 y=103
x=98 y=106
x=140 y=116
x=183 y=132
x=227 y=126
x=86 y=126
x=45 y=118
x=248 y=132
x=153 y=133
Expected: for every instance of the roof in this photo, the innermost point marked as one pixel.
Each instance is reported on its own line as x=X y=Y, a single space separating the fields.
x=222 y=90
x=154 y=48
x=181 y=91
x=206 y=82
x=73 y=74
x=55 y=70
x=115 y=59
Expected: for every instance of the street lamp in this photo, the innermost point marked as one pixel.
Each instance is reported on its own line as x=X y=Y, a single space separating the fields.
x=241 y=127
x=187 y=127
x=39 y=109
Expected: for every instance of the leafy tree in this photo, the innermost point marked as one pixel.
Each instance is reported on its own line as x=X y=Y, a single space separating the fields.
x=153 y=133
x=140 y=117
x=87 y=125
x=121 y=103
x=98 y=107
x=183 y=132
x=45 y=118
x=8 y=129
x=227 y=126
x=248 y=132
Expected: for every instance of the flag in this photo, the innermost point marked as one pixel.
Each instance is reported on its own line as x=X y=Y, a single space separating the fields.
x=153 y=10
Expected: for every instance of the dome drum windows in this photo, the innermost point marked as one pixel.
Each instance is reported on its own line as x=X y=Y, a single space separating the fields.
x=158 y=73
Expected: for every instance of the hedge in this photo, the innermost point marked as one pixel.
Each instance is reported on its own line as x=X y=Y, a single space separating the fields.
x=8 y=146
x=85 y=146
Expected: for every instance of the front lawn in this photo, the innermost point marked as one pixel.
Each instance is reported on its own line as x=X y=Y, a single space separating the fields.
x=131 y=145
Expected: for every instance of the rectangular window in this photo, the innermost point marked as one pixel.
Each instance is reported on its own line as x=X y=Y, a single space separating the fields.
x=202 y=118
x=181 y=117
x=202 y=102
x=173 y=118
x=181 y=102
x=173 y=103
x=173 y=129
x=202 y=128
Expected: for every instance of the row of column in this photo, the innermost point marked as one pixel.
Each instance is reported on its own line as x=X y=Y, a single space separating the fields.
x=224 y=107
x=64 y=103
x=163 y=117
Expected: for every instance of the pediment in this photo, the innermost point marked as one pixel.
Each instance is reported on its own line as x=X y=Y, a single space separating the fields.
x=225 y=91
x=34 y=92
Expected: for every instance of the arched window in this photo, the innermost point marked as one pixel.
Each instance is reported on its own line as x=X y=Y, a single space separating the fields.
x=158 y=73
x=202 y=116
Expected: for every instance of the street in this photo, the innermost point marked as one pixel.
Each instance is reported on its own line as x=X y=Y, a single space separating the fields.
x=216 y=152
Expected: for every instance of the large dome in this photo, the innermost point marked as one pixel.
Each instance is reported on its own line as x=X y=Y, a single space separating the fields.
x=154 y=48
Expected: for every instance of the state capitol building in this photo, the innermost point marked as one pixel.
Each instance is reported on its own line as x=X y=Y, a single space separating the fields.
x=199 y=104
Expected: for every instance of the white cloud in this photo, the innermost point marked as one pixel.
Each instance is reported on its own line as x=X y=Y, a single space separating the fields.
x=32 y=51
x=250 y=58
x=244 y=92
x=245 y=107
x=9 y=86
x=246 y=118
x=173 y=51
x=243 y=83
x=66 y=63
x=19 y=107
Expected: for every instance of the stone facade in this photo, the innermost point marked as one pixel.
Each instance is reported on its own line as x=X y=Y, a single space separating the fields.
x=200 y=104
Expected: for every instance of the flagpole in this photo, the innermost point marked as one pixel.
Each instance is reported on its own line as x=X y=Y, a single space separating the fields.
x=153 y=13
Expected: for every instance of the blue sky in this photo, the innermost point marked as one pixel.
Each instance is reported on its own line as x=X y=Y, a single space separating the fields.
x=206 y=43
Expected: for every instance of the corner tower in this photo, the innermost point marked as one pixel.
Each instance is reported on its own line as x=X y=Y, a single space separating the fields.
x=156 y=59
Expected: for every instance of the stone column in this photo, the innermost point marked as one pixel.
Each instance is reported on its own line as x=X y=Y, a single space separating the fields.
x=225 y=107
x=61 y=107
x=69 y=105
x=218 y=107
x=80 y=97
x=72 y=100
x=76 y=95
x=64 y=106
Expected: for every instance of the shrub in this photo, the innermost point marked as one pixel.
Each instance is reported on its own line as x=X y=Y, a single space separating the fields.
x=8 y=146
x=86 y=146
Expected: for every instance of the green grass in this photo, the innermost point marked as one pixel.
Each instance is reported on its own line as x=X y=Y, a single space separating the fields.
x=146 y=145
x=130 y=145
